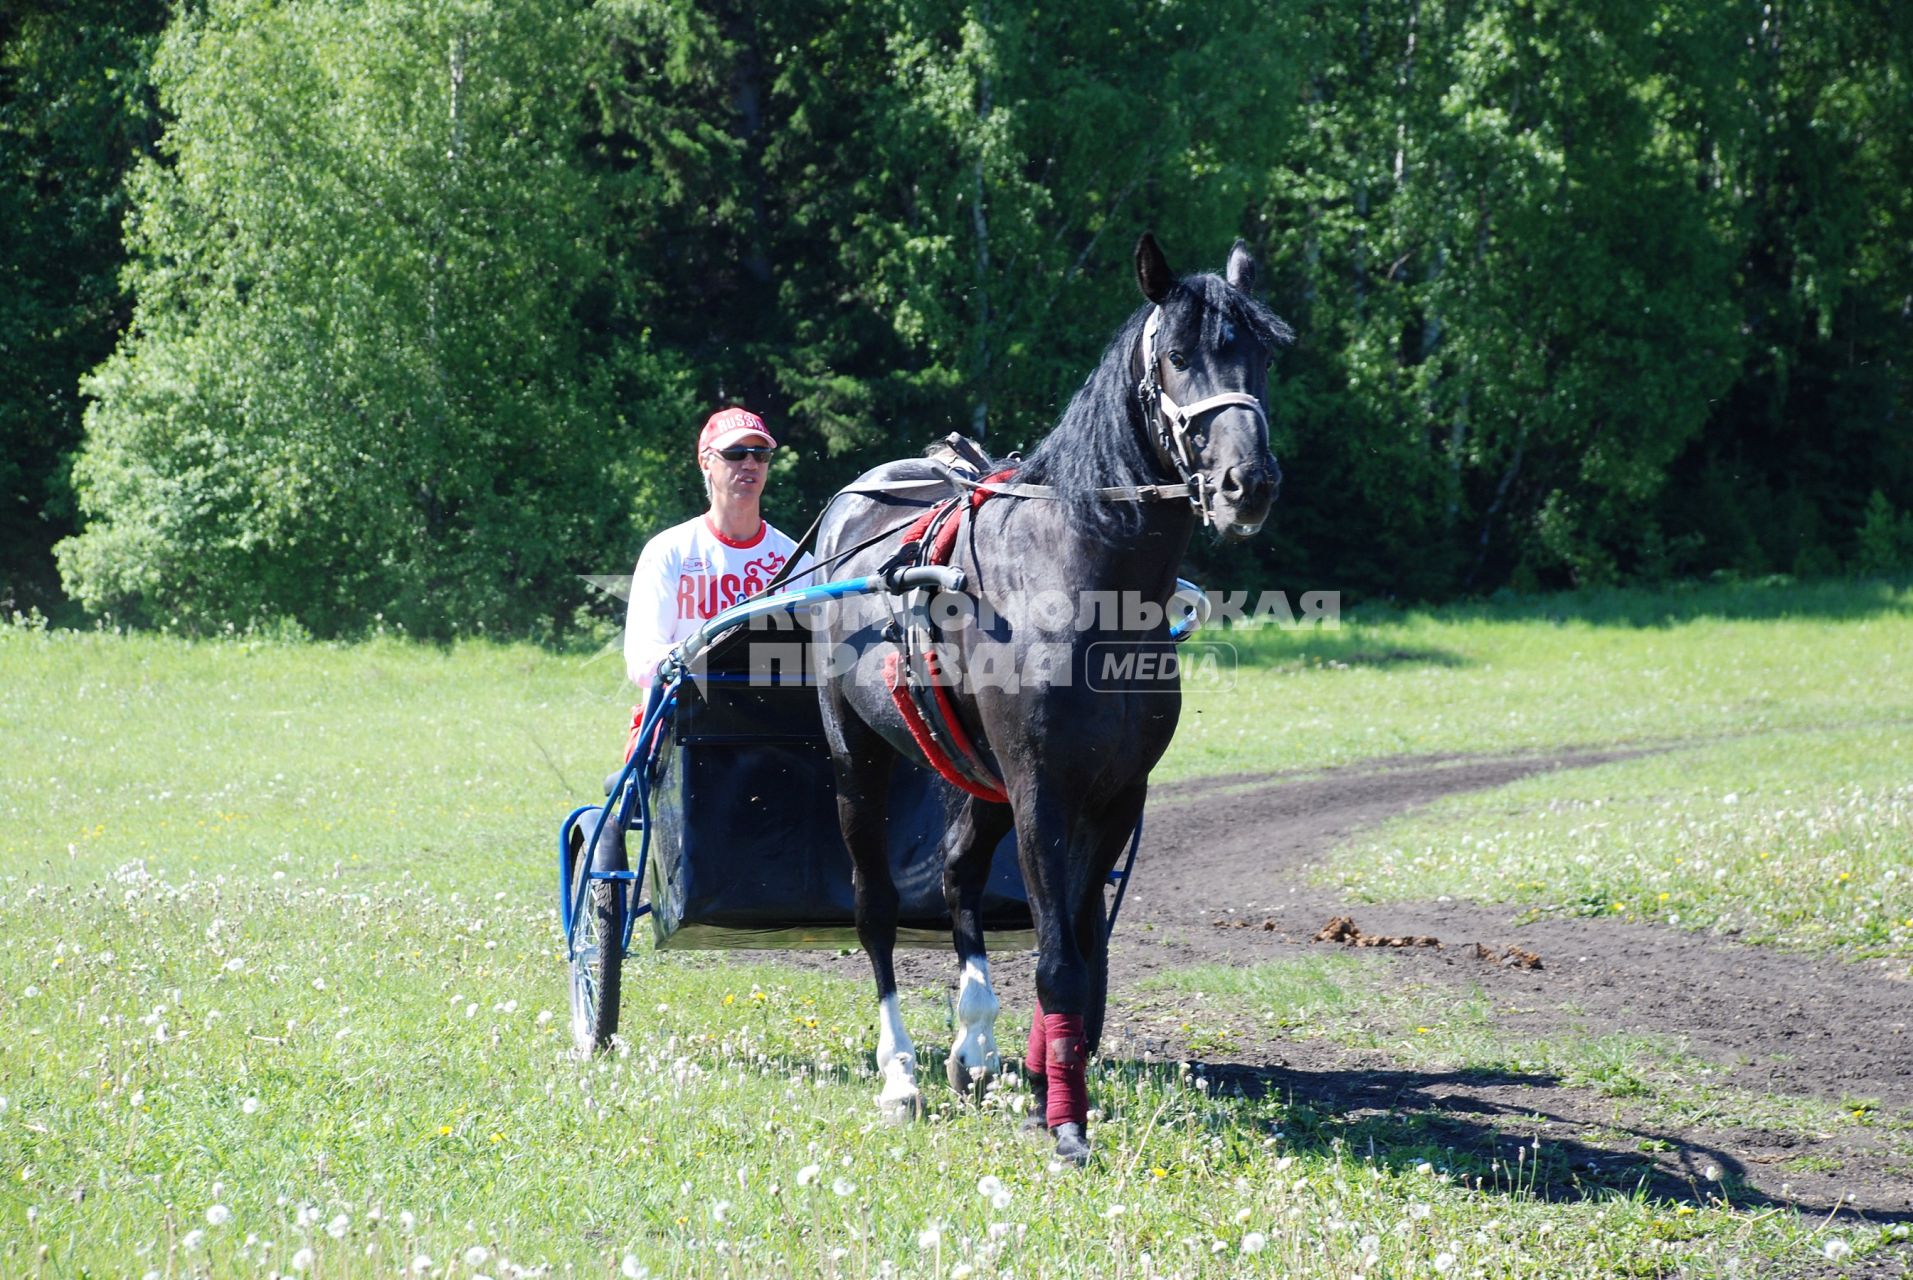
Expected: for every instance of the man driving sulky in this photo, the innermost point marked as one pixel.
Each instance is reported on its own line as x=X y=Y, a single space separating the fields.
x=693 y=571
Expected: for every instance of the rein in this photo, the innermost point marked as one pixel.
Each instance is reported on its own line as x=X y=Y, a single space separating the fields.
x=950 y=476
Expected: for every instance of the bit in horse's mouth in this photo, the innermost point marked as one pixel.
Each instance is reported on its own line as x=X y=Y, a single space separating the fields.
x=1237 y=529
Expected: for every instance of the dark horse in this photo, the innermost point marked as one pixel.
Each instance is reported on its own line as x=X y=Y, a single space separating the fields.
x=1084 y=555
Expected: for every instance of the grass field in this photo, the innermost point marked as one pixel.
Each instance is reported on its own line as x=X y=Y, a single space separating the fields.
x=277 y=950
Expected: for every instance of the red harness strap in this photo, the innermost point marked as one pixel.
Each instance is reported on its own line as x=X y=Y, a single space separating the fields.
x=913 y=721
x=937 y=553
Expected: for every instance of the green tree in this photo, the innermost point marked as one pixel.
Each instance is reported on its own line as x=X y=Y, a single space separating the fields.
x=881 y=222
x=76 y=111
x=357 y=385
x=1804 y=149
x=1519 y=304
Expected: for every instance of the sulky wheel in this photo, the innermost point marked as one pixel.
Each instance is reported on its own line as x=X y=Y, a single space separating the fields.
x=597 y=940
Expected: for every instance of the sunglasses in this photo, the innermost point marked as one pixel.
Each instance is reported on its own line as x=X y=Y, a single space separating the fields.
x=740 y=452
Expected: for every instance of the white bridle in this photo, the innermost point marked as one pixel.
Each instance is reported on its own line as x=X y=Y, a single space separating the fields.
x=1173 y=420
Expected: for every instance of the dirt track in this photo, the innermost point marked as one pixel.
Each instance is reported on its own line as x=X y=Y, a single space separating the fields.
x=1772 y=1022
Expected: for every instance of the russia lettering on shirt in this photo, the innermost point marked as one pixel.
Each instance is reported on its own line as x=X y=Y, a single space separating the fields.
x=690 y=573
x=706 y=594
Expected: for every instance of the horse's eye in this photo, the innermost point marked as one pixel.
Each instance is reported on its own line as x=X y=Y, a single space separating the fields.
x=1177 y=360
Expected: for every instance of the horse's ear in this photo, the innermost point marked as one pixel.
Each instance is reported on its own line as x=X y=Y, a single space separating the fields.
x=1152 y=269
x=1241 y=270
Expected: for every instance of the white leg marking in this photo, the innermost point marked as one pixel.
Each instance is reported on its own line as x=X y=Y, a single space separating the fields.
x=896 y=1063
x=974 y=1057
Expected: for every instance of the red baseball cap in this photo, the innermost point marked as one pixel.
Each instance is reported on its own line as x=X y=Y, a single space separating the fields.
x=727 y=427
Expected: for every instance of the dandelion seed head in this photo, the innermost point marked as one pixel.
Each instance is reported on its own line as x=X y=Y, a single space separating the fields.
x=1254 y=1242
x=303 y=1260
x=476 y=1255
x=218 y=1215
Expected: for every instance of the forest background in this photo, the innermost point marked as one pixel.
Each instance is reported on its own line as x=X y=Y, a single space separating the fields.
x=334 y=315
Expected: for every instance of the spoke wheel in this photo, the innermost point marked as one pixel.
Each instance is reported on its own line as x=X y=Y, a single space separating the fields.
x=596 y=944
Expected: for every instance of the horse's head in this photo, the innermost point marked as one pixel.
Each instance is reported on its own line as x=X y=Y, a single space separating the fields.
x=1206 y=349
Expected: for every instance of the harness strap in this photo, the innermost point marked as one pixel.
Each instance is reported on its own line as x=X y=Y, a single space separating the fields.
x=926 y=741
x=973 y=762
x=1110 y=493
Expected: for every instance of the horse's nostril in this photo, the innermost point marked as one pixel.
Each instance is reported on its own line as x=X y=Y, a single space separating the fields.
x=1249 y=486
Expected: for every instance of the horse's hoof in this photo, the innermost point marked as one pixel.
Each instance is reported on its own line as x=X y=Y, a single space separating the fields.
x=966 y=1078
x=901 y=1100
x=1072 y=1147
x=901 y=1109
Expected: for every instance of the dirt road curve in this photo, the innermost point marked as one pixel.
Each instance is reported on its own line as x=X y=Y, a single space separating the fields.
x=1775 y=1023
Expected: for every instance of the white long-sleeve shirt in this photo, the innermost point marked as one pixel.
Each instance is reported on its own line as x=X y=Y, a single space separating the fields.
x=687 y=574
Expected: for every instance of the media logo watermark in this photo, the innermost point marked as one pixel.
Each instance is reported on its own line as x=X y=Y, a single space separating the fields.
x=1106 y=641
x=1145 y=666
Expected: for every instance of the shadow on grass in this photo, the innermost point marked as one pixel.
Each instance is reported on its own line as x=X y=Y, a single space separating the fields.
x=1345 y=649
x=1402 y=1118
x=1375 y=636
x=1762 y=600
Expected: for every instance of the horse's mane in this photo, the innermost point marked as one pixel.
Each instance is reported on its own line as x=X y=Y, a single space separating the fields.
x=1100 y=439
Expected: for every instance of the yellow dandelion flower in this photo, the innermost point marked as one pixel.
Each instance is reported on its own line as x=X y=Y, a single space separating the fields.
x=498 y=1137
x=729 y=1000
x=1619 y=906
x=1683 y=1211
x=1422 y=1031
x=1159 y=1172
x=444 y=1129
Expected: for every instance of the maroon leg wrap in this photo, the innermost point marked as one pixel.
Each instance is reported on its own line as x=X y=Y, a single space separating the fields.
x=1036 y=1055
x=1068 y=1085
